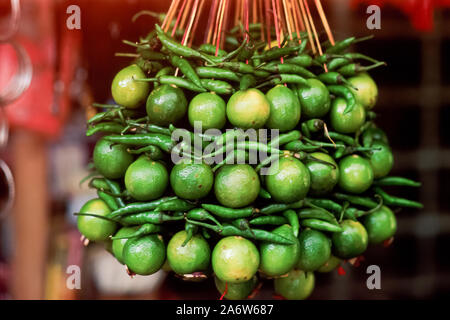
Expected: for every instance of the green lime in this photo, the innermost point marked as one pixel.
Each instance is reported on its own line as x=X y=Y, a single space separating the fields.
x=372 y=135
x=380 y=225
x=298 y=285
x=95 y=229
x=367 y=90
x=144 y=255
x=235 y=259
x=166 y=105
x=209 y=109
x=381 y=160
x=323 y=177
x=126 y=91
x=314 y=100
x=351 y=242
x=346 y=123
x=287 y=180
x=315 y=250
x=111 y=159
x=284 y=109
x=146 y=179
x=236 y=291
x=194 y=256
x=191 y=181
x=278 y=259
x=236 y=185
x=118 y=244
x=355 y=174
x=248 y=109
x=331 y=264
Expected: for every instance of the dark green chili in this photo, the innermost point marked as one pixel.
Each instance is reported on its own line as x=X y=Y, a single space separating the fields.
x=162 y=141
x=302 y=60
x=247 y=81
x=186 y=69
x=342 y=137
x=200 y=214
x=395 y=201
x=354 y=68
x=231 y=230
x=229 y=213
x=211 y=49
x=279 y=207
x=148 y=217
x=145 y=229
x=139 y=207
x=276 y=53
x=191 y=230
x=396 y=181
x=320 y=225
x=108 y=199
x=317 y=213
x=356 y=200
x=177 y=48
x=285 y=138
x=175 y=205
x=109 y=127
x=334 y=78
x=264 y=194
x=217 y=86
x=284 y=78
x=269 y=220
x=288 y=68
x=217 y=73
x=292 y=217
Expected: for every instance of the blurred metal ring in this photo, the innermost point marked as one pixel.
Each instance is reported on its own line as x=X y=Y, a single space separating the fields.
x=21 y=79
x=4 y=129
x=13 y=23
x=7 y=207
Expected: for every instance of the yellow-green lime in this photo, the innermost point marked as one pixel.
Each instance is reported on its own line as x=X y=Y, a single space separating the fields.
x=194 y=256
x=95 y=229
x=146 y=179
x=235 y=259
x=144 y=255
x=236 y=185
x=248 y=109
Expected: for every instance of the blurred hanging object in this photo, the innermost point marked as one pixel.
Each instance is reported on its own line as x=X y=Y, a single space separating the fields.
x=420 y=11
x=45 y=47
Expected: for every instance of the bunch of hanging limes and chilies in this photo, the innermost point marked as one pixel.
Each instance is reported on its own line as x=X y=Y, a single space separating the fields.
x=323 y=202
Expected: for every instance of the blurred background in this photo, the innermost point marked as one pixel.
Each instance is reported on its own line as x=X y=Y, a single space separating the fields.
x=50 y=75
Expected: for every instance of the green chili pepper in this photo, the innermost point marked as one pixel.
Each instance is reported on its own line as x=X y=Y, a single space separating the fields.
x=285 y=138
x=317 y=213
x=145 y=229
x=211 y=49
x=231 y=230
x=201 y=215
x=109 y=127
x=186 y=69
x=285 y=78
x=109 y=200
x=177 y=48
x=217 y=73
x=345 y=93
x=264 y=194
x=175 y=205
x=148 y=217
x=229 y=213
x=162 y=141
x=217 y=86
x=356 y=200
x=115 y=188
x=177 y=81
x=334 y=78
x=395 y=201
x=320 y=225
x=163 y=72
x=289 y=68
x=396 y=181
x=247 y=81
x=269 y=220
x=279 y=207
x=302 y=60
x=354 y=68
x=139 y=207
x=191 y=230
x=342 y=137
x=292 y=217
